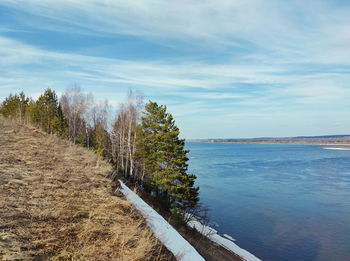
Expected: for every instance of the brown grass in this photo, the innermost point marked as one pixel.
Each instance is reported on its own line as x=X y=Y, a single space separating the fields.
x=55 y=203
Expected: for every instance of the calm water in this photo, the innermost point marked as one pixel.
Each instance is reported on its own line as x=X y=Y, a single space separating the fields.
x=280 y=202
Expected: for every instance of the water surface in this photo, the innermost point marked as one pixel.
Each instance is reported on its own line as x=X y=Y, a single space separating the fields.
x=280 y=202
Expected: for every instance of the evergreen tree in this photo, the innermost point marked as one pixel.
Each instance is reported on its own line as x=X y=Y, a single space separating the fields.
x=47 y=113
x=23 y=105
x=34 y=112
x=100 y=140
x=15 y=106
x=47 y=105
x=60 y=124
x=164 y=159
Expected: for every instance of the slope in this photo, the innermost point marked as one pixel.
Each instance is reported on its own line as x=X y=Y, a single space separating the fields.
x=55 y=203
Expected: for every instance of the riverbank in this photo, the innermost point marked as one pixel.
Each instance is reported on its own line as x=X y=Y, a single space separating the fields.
x=209 y=249
x=55 y=202
x=224 y=241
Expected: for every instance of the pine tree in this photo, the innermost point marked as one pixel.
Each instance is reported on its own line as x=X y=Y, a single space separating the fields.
x=15 y=106
x=60 y=124
x=47 y=114
x=45 y=110
x=164 y=159
x=100 y=140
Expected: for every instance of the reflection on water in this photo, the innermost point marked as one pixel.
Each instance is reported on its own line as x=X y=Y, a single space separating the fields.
x=281 y=202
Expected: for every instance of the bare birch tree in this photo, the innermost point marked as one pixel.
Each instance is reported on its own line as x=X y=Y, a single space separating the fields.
x=75 y=104
x=101 y=138
x=124 y=135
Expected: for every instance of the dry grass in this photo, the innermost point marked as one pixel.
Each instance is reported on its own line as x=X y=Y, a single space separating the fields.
x=55 y=203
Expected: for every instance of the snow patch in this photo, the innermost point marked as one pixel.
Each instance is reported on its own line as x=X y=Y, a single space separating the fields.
x=330 y=148
x=170 y=238
x=229 y=237
x=224 y=242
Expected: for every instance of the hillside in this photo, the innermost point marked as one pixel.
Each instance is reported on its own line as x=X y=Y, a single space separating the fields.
x=55 y=203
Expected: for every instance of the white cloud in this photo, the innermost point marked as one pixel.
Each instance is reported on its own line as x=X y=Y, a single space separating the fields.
x=295 y=32
x=221 y=81
x=281 y=58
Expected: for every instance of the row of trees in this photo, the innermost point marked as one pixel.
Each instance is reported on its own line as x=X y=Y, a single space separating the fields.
x=45 y=113
x=142 y=142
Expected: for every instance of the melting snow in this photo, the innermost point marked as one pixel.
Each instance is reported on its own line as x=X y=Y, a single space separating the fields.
x=229 y=237
x=170 y=238
x=224 y=242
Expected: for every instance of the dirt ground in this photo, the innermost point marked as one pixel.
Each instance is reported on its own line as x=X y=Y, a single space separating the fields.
x=55 y=203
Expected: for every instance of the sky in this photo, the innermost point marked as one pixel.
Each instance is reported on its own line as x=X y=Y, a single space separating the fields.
x=223 y=68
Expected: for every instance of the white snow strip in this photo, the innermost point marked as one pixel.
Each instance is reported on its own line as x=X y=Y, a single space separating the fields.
x=170 y=238
x=330 y=148
x=229 y=237
x=224 y=242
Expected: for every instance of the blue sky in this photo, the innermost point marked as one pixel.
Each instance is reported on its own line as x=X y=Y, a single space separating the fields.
x=224 y=68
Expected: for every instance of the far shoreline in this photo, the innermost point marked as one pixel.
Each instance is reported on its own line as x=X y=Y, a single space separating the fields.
x=271 y=143
x=328 y=140
x=335 y=148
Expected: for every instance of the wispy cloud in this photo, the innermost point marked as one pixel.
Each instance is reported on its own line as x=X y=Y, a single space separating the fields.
x=253 y=59
x=295 y=30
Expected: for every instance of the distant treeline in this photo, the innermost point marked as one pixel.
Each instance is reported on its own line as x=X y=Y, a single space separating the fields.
x=331 y=139
x=142 y=142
